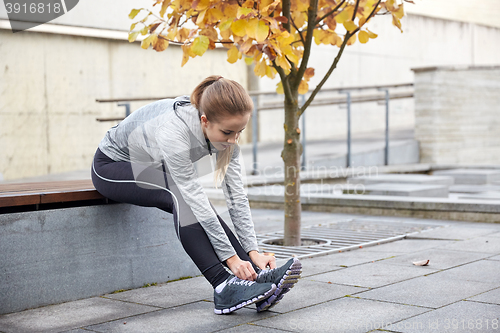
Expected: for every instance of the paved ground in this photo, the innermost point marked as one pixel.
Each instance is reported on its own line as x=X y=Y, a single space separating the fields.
x=370 y=289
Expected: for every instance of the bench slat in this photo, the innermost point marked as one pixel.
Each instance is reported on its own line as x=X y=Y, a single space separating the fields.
x=47 y=192
x=46 y=186
x=19 y=200
x=81 y=195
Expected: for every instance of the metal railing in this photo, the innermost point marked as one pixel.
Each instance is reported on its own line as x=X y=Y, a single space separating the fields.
x=348 y=100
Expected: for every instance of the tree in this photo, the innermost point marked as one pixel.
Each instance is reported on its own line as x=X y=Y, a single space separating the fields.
x=277 y=37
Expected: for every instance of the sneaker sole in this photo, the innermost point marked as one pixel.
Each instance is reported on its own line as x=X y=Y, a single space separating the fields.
x=288 y=281
x=264 y=296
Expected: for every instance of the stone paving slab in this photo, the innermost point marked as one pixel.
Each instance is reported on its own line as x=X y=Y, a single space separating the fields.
x=407 y=190
x=323 y=264
x=494 y=258
x=473 y=188
x=169 y=294
x=344 y=315
x=250 y=328
x=489 y=195
x=372 y=275
x=306 y=293
x=402 y=179
x=487 y=271
x=431 y=291
x=70 y=315
x=439 y=258
x=194 y=317
x=463 y=316
x=409 y=246
x=455 y=232
x=485 y=244
x=471 y=176
x=492 y=296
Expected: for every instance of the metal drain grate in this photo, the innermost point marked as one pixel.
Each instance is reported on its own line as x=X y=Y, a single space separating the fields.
x=343 y=236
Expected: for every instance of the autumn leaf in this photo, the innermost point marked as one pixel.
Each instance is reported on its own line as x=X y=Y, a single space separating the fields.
x=148 y=41
x=262 y=31
x=225 y=25
x=233 y=54
x=248 y=61
x=279 y=88
x=396 y=22
x=421 y=263
x=133 y=13
x=309 y=73
x=345 y=15
x=200 y=5
x=400 y=12
x=350 y=26
x=363 y=37
x=371 y=34
x=185 y=54
x=200 y=45
x=303 y=87
x=242 y=12
x=133 y=36
x=239 y=28
x=160 y=45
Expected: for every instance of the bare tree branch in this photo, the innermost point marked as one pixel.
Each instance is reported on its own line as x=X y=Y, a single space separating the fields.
x=286 y=13
x=329 y=13
x=300 y=33
x=369 y=16
x=355 y=10
x=348 y=35
x=311 y=16
x=284 y=81
x=327 y=75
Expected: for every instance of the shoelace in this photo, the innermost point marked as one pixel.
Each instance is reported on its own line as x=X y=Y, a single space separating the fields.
x=241 y=282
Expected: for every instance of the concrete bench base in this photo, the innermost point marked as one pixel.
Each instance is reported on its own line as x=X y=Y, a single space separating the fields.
x=54 y=256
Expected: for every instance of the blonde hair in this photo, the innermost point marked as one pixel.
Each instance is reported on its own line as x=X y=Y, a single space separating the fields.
x=217 y=98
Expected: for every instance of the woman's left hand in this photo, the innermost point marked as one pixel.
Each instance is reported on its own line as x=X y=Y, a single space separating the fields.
x=262 y=260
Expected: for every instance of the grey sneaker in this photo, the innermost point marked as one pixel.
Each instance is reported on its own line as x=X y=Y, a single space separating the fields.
x=234 y=293
x=283 y=277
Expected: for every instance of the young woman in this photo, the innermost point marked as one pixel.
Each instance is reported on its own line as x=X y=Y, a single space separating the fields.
x=147 y=160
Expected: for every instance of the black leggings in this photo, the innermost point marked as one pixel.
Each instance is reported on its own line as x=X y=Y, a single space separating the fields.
x=145 y=186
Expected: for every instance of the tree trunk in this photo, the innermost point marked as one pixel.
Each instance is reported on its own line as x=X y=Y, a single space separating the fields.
x=291 y=156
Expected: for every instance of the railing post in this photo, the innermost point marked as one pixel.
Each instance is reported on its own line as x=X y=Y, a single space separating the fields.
x=127 y=108
x=304 y=161
x=386 y=150
x=255 y=133
x=348 y=93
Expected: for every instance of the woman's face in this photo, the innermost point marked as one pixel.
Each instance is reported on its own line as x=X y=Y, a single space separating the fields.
x=226 y=131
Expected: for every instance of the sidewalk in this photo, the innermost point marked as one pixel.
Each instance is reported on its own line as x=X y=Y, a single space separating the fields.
x=369 y=289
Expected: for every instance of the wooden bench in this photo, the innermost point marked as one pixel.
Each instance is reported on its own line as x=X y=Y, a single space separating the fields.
x=60 y=242
x=21 y=197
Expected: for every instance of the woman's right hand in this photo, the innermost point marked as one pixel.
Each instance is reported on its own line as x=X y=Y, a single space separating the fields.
x=241 y=268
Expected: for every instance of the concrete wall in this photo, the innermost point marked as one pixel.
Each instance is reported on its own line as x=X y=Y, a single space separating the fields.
x=457 y=115
x=61 y=255
x=388 y=59
x=49 y=84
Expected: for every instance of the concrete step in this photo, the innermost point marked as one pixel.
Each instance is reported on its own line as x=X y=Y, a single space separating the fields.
x=402 y=179
x=471 y=176
x=490 y=195
x=406 y=190
x=474 y=188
